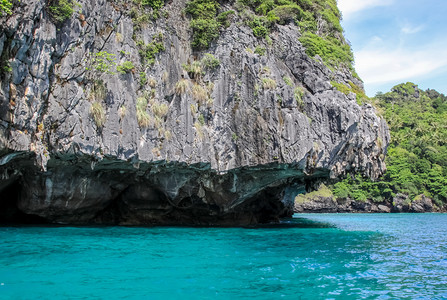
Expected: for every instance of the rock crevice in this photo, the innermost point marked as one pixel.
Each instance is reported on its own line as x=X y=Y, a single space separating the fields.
x=161 y=143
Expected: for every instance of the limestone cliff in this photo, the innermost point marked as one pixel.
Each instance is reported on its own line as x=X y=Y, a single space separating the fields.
x=106 y=118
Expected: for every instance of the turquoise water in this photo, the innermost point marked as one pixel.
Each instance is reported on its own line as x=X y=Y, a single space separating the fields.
x=327 y=256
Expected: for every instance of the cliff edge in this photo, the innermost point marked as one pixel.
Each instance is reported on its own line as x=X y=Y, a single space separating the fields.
x=121 y=112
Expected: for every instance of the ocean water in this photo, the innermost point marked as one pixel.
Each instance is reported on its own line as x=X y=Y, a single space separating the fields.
x=312 y=256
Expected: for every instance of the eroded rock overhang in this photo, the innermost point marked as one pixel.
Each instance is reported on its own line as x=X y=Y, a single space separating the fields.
x=76 y=190
x=82 y=146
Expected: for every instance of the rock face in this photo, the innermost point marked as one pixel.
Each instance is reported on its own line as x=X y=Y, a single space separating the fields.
x=160 y=143
x=331 y=205
x=422 y=203
x=400 y=204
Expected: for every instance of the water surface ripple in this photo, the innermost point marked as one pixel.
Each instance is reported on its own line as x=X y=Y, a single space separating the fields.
x=318 y=256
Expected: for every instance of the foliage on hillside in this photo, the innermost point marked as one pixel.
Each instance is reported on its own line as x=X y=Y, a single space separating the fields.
x=352 y=88
x=417 y=155
x=5 y=7
x=205 y=22
x=318 y=20
x=62 y=10
x=323 y=192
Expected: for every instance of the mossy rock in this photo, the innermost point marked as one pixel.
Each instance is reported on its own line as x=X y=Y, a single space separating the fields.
x=322 y=192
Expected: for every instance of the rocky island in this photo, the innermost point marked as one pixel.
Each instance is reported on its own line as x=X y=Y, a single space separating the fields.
x=184 y=112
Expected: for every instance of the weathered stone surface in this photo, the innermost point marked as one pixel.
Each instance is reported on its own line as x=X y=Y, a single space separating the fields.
x=319 y=204
x=328 y=204
x=383 y=208
x=401 y=203
x=229 y=157
x=422 y=204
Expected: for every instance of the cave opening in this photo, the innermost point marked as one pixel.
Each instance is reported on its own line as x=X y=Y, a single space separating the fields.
x=9 y=211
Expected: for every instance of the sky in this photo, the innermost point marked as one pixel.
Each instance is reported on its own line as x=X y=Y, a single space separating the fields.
x=397 y=41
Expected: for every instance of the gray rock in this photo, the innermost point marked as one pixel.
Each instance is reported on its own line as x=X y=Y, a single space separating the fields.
x=401 y=203
x=212 y=157
x=422 y=204
x=383 y=208
x=317 y=205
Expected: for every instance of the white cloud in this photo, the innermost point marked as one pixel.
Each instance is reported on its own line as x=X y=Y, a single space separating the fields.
x=410 y=29
x=348 y=7
x=383 y=65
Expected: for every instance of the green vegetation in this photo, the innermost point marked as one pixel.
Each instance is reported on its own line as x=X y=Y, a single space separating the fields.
x=5 y=7
x=360 y=95
x=270 y=12
x=332 y=16
x=194 y=70
x=305 y=13
x=288 y=80
x=141 y=103
x=259 y=26
x=285 y=13
x=319 y=21
x=260 y=50
x=204 y=32
x=405 y=89
x=299 y=93
x=334 y=52
x=359 y=189
x=352 y=88
x=308 y=22
x=205 y=22
x=234 y=137
x=209 y=61
x=125 y=67
x=7 y=67
x=141 y=16
x=323 y=191
x=268 y=83
x=149 y=51
x=417 y=155
x=342 y=88
x=154 y=4
x=103 y=62
x=201 y=119
x=62 y=10
x=139 y=19
x=222 y=18
x=143 y=78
